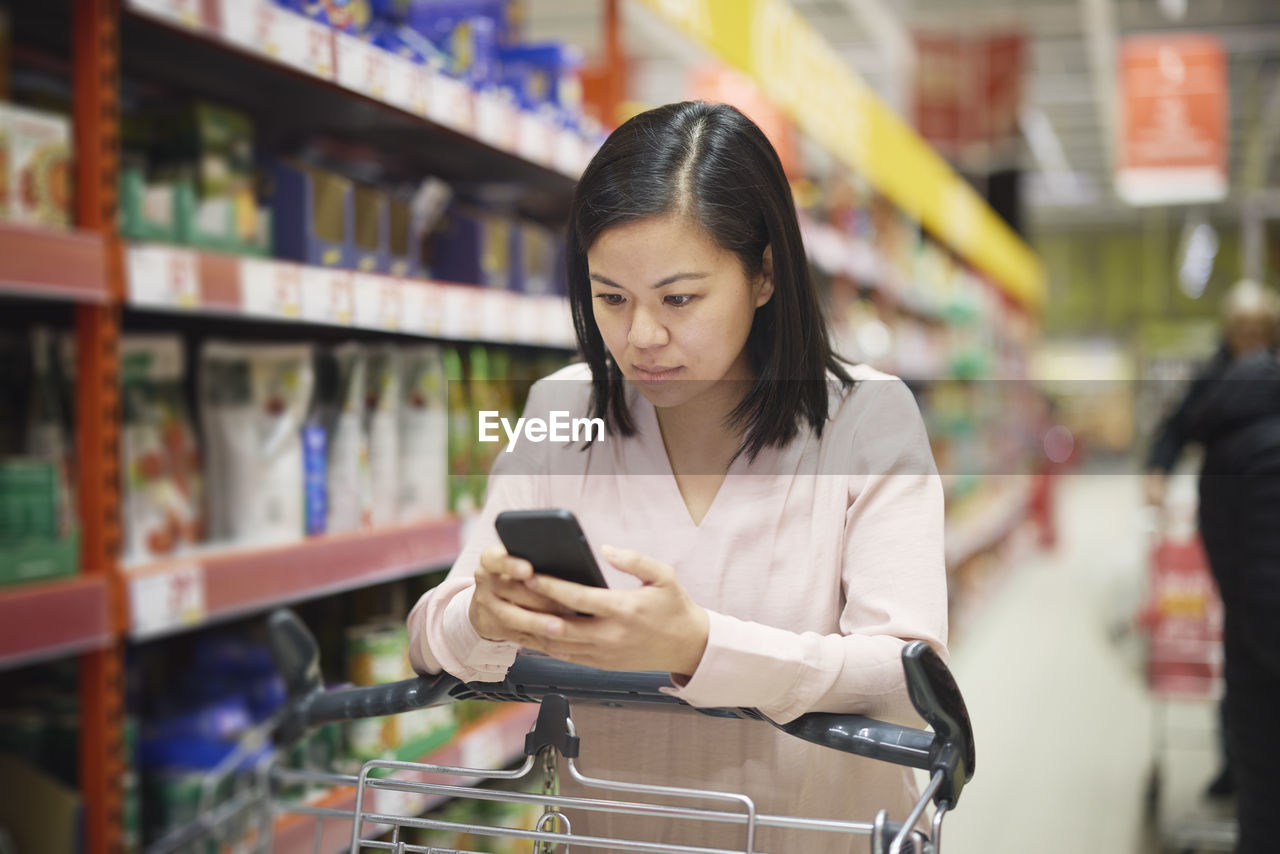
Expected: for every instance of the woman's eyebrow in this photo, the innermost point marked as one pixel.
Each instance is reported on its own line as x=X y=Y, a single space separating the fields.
x=669 y=280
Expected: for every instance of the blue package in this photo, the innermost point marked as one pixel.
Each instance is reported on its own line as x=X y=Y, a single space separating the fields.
x=541 y=74
x=223 y=719
x=389 y=12
x=315 y=462
x=403 y=42
x=195 y=754
x=312 y=215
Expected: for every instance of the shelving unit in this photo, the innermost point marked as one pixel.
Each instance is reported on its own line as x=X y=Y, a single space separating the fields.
x=47 y=264
x=203 y=587
x=329 y=88
x=28 y=635
x=300 y=79
x=174 y=279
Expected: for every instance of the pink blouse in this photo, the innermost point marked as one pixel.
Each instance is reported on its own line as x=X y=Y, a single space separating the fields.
x=816 y=562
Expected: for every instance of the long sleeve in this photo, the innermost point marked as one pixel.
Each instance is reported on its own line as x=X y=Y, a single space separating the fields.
x=892 y=577
x=1175 y=431
x=441 y=636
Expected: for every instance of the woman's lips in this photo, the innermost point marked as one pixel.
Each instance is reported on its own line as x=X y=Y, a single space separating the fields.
x=654 y=374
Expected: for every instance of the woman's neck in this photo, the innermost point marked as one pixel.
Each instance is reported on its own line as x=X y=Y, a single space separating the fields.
x=697 y=435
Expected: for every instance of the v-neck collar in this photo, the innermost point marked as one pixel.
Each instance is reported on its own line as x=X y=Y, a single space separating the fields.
x=657 y=460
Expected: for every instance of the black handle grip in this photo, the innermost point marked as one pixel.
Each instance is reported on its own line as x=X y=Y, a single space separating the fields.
x=533 y=677
x=937 y=698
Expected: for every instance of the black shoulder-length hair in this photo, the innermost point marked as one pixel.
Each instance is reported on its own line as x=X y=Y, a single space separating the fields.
x=712 y=164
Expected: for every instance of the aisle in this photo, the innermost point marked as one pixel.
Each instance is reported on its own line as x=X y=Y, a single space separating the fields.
x=1062 y=724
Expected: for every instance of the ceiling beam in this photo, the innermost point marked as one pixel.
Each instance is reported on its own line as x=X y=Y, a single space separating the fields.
x=1099 y=22
x=894 y=43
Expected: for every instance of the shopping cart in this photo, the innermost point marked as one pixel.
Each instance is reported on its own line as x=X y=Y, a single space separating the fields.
x=1182 y=619
x=240 y=802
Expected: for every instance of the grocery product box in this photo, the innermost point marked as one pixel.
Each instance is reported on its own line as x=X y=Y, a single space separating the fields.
x=153 y=211
x=39 y=559
x=474 y=247
x=404 y=239
x=32 y=544
x=35 y=167
x=534 y=250
x=370 y=231
x=229 y=222
x=312 y=215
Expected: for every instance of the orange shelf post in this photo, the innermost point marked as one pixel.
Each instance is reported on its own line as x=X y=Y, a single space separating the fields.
x=95 y=92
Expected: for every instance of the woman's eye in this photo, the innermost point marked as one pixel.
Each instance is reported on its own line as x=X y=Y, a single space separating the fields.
x=610 y=299
x=679 y=300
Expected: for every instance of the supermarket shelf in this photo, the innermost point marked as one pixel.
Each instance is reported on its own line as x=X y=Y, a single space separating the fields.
x=43 y=620
x=52 y=264
x=168 y=278
x=424 y=126
x=490 y=743
x=839 y=254
x=987 y=527
x=205 y=587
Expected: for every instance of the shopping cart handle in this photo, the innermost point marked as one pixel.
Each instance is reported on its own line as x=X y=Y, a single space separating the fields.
x=533 y=676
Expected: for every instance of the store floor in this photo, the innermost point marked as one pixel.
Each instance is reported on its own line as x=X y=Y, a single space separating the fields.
x=1063 y=724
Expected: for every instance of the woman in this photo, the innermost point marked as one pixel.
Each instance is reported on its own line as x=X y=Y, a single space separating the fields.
x=780 y=511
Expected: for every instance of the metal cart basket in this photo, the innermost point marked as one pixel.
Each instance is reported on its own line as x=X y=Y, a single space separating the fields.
x=1182 y=620
x=389 y=794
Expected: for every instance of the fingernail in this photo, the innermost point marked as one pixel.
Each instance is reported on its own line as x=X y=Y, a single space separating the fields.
x=609 y=551
x=553 y=627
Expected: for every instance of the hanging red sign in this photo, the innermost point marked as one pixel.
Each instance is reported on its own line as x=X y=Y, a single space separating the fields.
x=1173 y=124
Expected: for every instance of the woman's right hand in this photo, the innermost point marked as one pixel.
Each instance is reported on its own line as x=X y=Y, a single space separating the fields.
x=503 y=607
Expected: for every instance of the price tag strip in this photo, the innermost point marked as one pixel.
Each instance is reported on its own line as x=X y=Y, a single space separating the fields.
x=184 y=12
x=163 y=277
x=362 y=67
x=271 y=289
x=166 y=600
x=377 y=302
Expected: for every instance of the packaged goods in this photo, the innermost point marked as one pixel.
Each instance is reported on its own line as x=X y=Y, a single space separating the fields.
x=349 y=492
x=376 y=654
x=461 y=433
x=253 y=402
x=424 y=435
x=315 y=466
x=381 y=419
x=312 y=215
x=487 y=390
x=35 y=167
x=163 y=492
x=370 y=229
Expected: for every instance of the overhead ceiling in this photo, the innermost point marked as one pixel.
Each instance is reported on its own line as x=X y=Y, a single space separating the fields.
x=1070 y=77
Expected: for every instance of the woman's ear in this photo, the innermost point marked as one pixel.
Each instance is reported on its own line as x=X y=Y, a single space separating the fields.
x=764 y=290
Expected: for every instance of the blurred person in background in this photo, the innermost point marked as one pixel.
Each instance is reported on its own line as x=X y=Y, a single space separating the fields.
x=1251 y=324
x=1237 y=419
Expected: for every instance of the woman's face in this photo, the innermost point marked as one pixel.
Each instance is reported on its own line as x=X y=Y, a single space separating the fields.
x=674 y=308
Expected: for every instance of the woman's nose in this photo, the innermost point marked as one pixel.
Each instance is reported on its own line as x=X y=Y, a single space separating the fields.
x=646 y=331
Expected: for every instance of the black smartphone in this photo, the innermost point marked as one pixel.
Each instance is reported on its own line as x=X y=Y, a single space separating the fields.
x=551 y=540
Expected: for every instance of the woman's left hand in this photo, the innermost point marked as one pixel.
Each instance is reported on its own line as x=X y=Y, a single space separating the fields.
x=654 y=627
